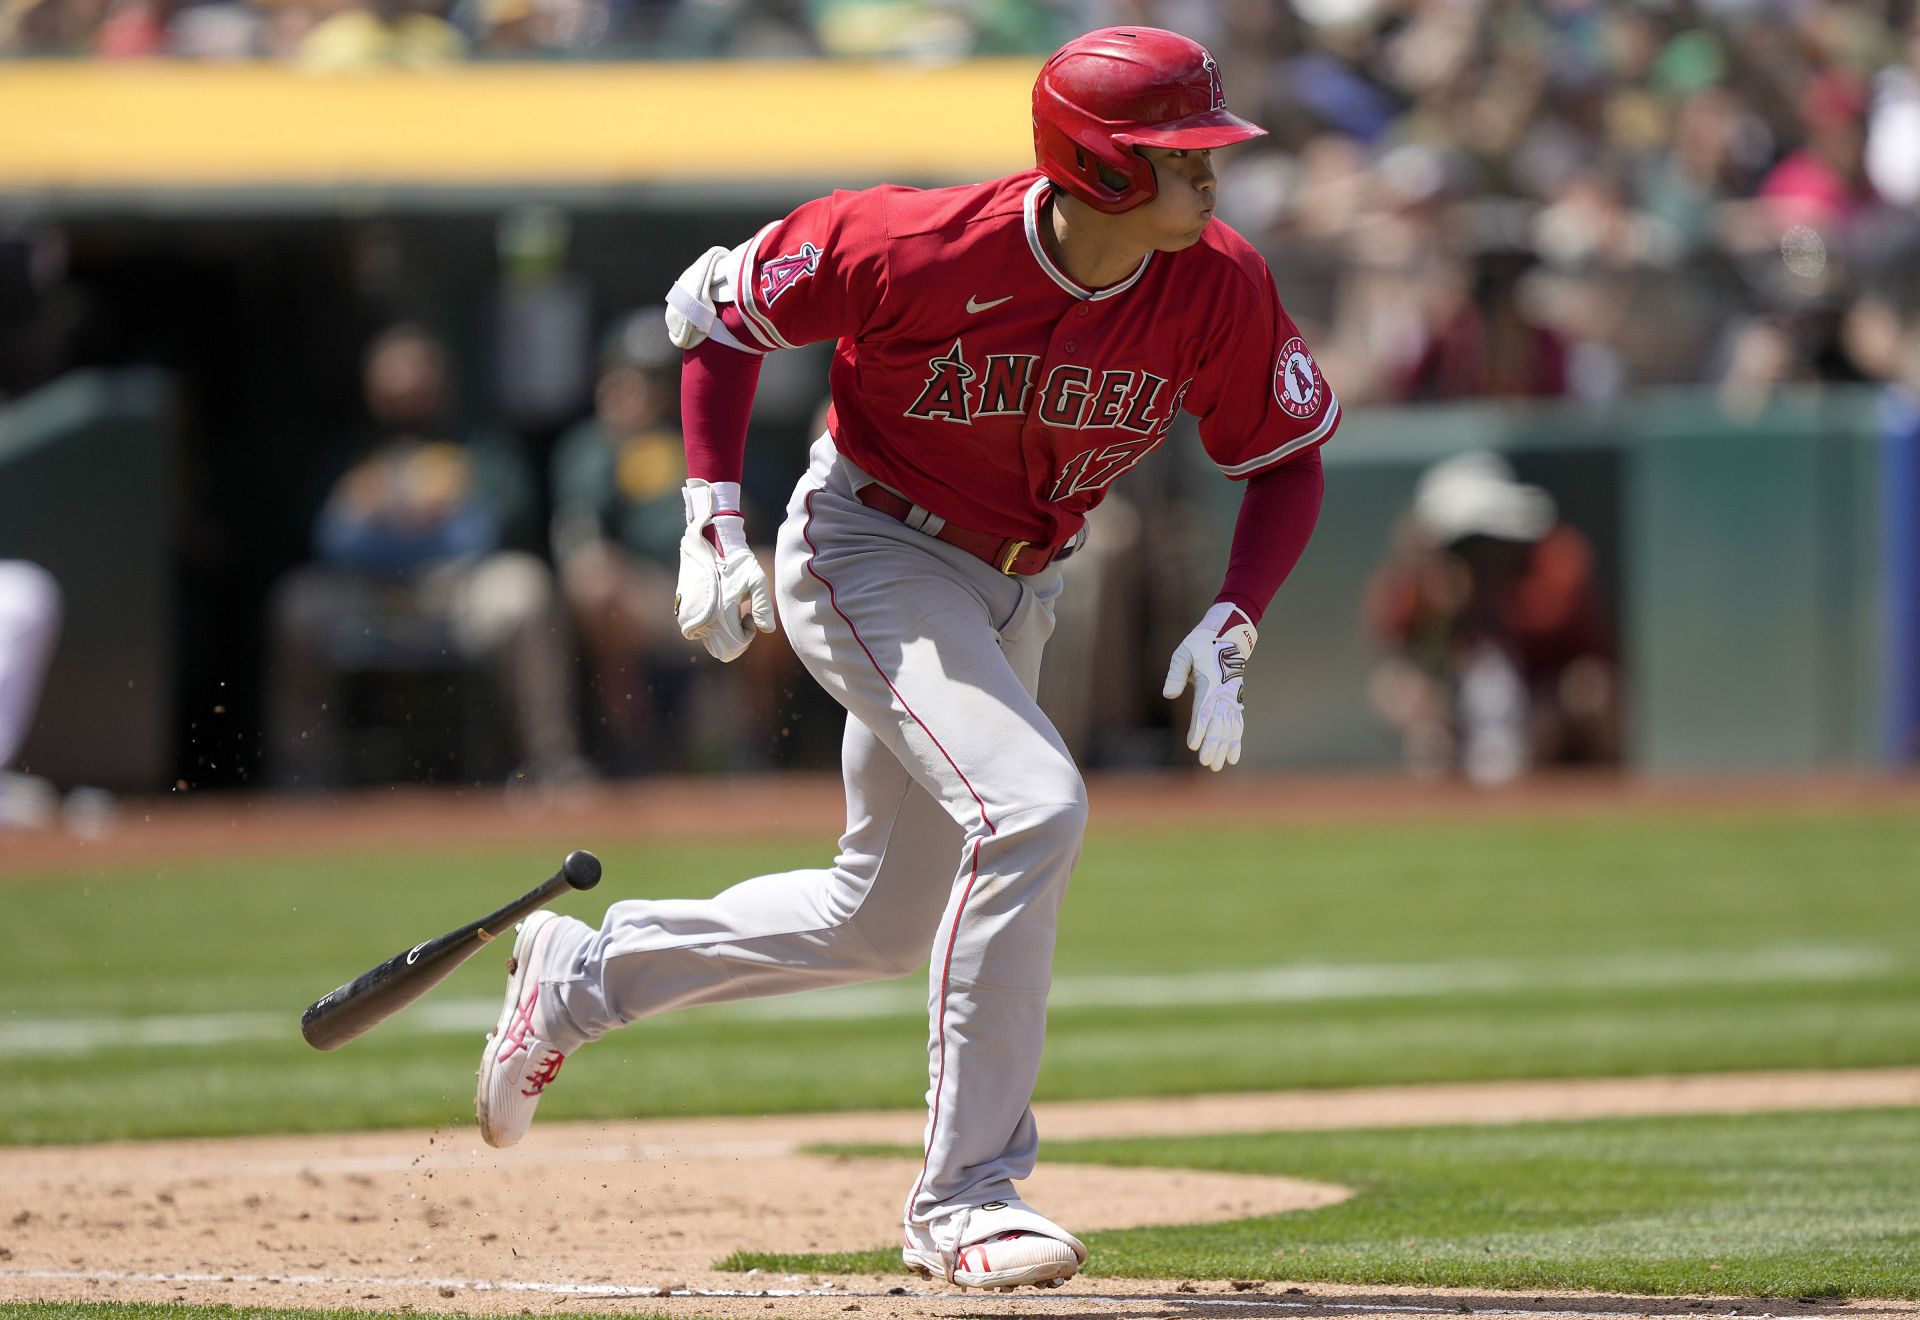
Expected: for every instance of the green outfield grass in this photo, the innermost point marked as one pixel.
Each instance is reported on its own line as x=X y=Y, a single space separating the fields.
x=1771 y=1205
x=164 y=1001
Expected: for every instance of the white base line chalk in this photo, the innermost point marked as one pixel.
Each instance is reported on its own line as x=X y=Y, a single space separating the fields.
x=642 y=1290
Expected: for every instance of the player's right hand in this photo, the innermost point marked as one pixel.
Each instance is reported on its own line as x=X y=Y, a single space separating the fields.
x=1214 y=655
x=722 y=586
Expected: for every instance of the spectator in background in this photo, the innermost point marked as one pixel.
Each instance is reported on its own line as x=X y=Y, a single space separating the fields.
x=1893 y=131
x=49 y=27
x=412 y=568
x=1499 y=653
x=1824 y=183
x=227 y=30
x=617 y=523
x=933 y=29
x=617 y=520
x=1478 y=340
x=29 y=629
x=1706 y=162
x=377 y=34
x=136 y=29
x=718 y=29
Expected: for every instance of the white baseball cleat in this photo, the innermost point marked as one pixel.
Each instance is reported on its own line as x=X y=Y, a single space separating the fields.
x=517 y=1066
x=1001 y=1245
x=1005 y=1260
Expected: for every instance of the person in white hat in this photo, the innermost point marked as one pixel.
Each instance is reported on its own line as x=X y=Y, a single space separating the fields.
x=1500 y=655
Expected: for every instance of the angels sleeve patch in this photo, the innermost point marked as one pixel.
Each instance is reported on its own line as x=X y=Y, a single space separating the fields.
x=782 y=273
x=1297 y=385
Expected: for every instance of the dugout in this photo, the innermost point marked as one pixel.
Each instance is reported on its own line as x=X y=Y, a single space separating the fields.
x=230 y=237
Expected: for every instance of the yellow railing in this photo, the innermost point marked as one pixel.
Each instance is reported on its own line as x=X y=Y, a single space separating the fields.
x=195 y=126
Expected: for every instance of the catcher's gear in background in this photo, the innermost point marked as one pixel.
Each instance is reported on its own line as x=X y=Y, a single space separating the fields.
x=720 y=580
x=1103 y=94
x=1214 y=655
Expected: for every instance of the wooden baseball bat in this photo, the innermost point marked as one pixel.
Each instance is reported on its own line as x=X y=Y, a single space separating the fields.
x=374 y=996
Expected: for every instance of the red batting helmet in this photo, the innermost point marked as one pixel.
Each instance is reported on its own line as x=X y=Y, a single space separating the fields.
x=1103 y=94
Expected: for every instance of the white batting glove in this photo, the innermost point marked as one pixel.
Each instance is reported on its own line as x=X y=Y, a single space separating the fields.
x=721 y=583
x=1214 y=655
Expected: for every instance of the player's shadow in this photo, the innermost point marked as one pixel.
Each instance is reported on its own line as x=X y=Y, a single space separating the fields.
x=1280 y=1300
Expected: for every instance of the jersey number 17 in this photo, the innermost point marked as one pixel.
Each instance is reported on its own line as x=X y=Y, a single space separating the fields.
x=1092 y=469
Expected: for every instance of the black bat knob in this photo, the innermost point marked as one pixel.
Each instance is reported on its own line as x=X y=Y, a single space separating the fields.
x=581 y=868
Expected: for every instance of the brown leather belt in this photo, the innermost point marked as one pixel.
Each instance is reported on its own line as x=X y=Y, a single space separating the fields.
x=1007 y=554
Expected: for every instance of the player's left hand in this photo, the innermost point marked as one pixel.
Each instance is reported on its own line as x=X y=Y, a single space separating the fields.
x=1214 y=655
x=721 y=584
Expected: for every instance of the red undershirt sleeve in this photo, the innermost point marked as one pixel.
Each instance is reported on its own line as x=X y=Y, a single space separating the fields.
x=716 y=399
x=1278 y=511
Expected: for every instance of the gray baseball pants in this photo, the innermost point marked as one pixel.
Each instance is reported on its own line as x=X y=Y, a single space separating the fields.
x=964 y=819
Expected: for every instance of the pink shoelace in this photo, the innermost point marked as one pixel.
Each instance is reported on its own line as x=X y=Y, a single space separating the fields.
x=549 y=1069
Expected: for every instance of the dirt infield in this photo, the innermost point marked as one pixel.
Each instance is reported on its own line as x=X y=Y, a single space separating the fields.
x=611 y=1216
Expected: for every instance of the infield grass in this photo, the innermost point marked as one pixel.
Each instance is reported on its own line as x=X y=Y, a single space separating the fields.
x=1771 y=1205
x=164 y=1001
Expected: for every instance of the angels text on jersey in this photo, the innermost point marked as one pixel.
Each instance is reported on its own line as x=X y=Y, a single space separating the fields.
x=1072 y=398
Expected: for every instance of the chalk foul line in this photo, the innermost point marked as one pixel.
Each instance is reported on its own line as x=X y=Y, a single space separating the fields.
x=38 y=1036
x=619 y=1290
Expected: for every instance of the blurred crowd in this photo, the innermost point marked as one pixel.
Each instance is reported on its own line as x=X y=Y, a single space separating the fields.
x=1460 y=197
x=1574 y=199
x=351 y=34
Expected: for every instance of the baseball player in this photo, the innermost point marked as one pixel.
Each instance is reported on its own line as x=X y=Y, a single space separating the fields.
x=1005 y=351
x=30 y=607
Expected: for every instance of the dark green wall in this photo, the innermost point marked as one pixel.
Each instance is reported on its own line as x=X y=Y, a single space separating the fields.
x=1754 y=626
x=1739 y=555
x=86 y=478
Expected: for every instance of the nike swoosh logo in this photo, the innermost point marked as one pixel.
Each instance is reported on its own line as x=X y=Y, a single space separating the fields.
x=975 y=305
x=414 y=952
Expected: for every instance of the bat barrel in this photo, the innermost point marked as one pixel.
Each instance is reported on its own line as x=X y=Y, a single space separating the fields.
x=377 y=994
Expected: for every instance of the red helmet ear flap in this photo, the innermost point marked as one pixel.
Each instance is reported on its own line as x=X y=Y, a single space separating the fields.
x=1076 y=160
x=1102 y=94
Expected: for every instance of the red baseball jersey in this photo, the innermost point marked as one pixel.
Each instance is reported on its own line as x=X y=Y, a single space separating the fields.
x=976 y=378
